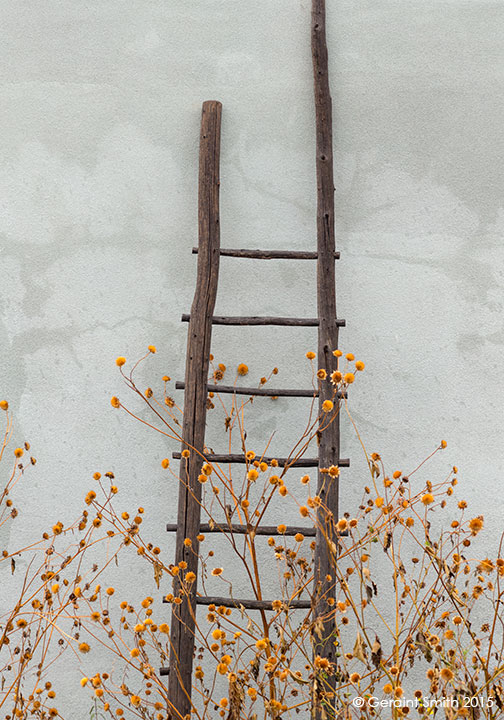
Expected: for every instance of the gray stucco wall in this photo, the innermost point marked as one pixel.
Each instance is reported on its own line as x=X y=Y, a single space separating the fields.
x=100 y=105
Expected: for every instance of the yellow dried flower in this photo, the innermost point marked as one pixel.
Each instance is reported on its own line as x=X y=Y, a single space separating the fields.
x=359 y=365
x=151 y=348
x=310 y=355
x=327 y=406
x=242 y=369
x=165 y=463
x=476 y=524
x=349 y=378
x=4 y=405
x=428 y=498
x=120 y=361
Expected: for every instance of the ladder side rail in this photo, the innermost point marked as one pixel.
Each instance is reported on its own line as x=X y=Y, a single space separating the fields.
x=196 y=379
x=329 y=448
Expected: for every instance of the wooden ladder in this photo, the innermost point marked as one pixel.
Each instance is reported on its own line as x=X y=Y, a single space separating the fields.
x=196 y=386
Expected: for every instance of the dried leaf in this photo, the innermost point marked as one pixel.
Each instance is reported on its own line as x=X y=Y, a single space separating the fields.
x=158 y=573
x=376 y=652
x=359 y=650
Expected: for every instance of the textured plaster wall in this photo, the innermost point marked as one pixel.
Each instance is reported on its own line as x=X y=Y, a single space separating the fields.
x=100 y=110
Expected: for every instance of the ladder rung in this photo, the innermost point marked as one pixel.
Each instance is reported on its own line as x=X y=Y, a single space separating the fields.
x=242 y=529
x=268 y=392
x=269 y=254
x=290 y=531
x=248 y=604
x=256 y=320
x=241 y=459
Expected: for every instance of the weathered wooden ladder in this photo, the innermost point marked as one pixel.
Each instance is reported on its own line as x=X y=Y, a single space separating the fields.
x=201 y=320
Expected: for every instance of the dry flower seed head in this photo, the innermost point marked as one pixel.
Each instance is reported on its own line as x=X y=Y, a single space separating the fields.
x=282 y=490
x=350 y=357
x=84 y=647
x=443 y=444
x=327 y=406
x=281 y=529
x=321 y=374
x=305 y=479
x=242 y=369
x=190 y=577
x=19 y=452
x=447 y=674
x=428 y=498
x=348 y=378
x=217 y=571
x=202 y=479
x=4 y=405
x=310 y=355
x=337 y=353
x=336 y=377
x=188 y=542
x=185 y=453
x=303 y=511
x=120 y=361
x=165 y=463
x=252 y=475
x=250 y=455
x=342 y=525
x=476 y=524
x=151 y=348
x=334 y=471
x=115 y=402
x=148 y=392
x=359 y=365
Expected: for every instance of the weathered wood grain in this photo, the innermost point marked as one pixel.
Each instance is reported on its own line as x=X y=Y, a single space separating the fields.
x=193 y=433
x=260 y=391
x=282 y=462
x=329 y=449
x=265 y=320
x=269 y=254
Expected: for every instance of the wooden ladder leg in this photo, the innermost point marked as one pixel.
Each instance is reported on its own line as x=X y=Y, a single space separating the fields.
x=329 y=449
x=196 y=379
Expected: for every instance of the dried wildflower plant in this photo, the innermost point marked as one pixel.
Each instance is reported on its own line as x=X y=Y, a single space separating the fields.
x=416 y=618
